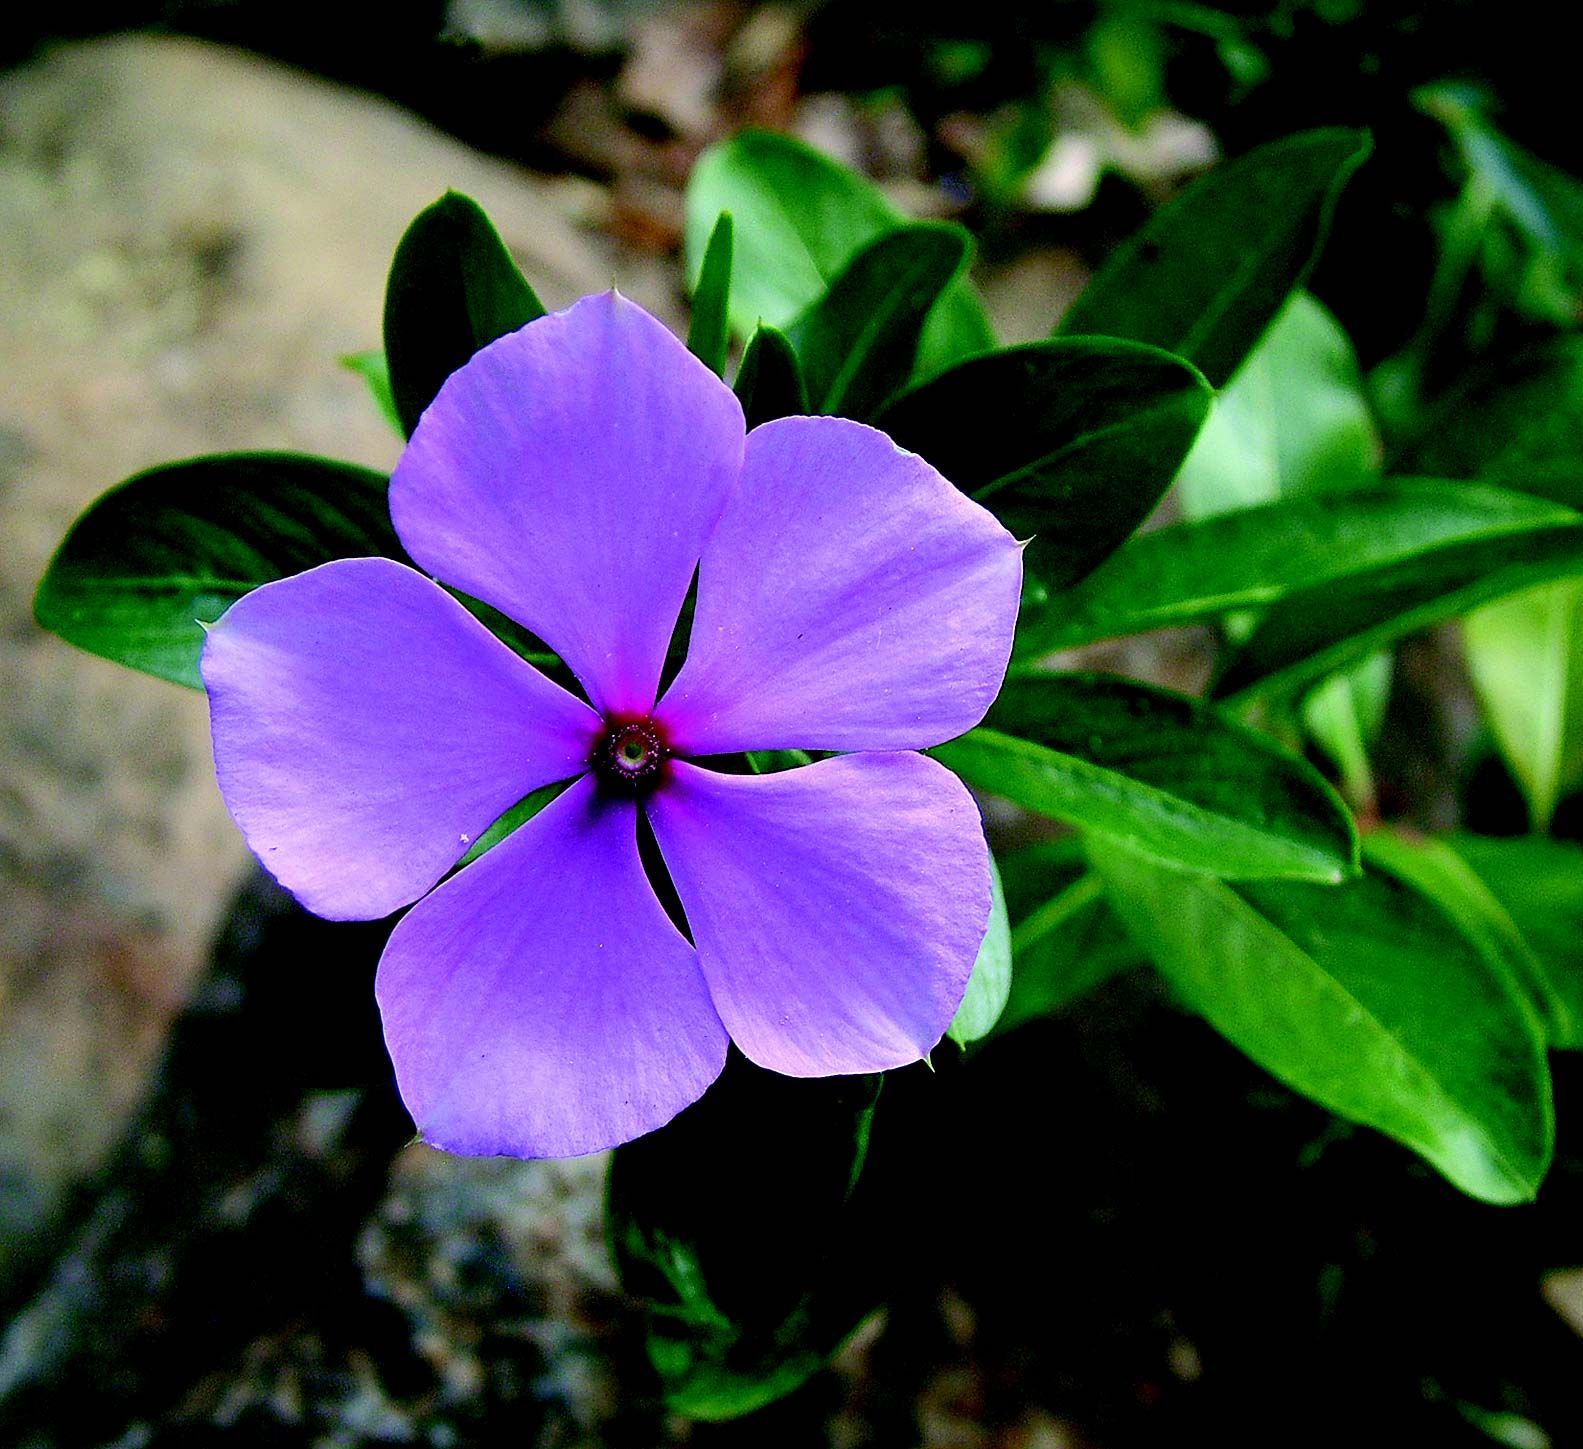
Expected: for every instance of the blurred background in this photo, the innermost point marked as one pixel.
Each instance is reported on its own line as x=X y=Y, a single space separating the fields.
x=199 y=1226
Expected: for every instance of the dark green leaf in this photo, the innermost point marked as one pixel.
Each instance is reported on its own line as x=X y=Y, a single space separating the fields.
x=1365 y=997
x=1313 y=632
x=1070 y=443
x=800 y=218
x=1166 y=775
x=170 y=550
x=1540 y=884
x=731 y=1225
x=769 y=382
x=710 y=330
x=375 y=372
x=1254 y=557
x=453 y=288
x=1436 y=871
x=1518 y=422
x=858 y=342
x=990 y=982
x=1210 y=271
x=1066 y=945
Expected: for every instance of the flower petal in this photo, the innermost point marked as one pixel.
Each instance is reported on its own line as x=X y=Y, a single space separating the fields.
x=367 y=728
x=851 y=599
x=540 y=1003
x=837 y=908
x=569 y=475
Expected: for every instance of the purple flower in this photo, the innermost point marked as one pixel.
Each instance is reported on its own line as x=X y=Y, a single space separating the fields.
x=367 y=729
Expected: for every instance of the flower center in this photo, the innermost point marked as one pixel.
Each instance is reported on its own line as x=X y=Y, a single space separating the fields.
x=629 y=753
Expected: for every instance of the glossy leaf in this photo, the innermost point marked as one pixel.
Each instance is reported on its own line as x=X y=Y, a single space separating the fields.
x=453 y=288
x=1255 y=557
x=1364 y=997
x=990 y=983
x=732 y=1225
x=1210 y=271
x=1070 y=443
x=1164 y=774
x=168 y=551
x=770 y=381
x=1540 y=884
x=800 y=218
x=858 y=342
x=709 y=332
x=1437 y=872
x=1313 y=632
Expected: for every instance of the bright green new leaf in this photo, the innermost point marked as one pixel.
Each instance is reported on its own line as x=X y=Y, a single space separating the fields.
x=1365 y=997
x=1210 y=271
x=168 y=551
x=1164 y=774
x=375 y=372
x=1070 y=443
x=800 y=218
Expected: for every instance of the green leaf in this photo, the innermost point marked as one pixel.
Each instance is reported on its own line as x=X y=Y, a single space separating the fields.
x=1295 y=420
x=514 y=819
x=170 y=550
x=1255 y=557
x=858 y=342
x=1526 y=658
x=800 y=218
x=1314 y=632
x=1164 y=774
x=1517 y=422
x=1070 y=443
x=1067 y=942
x=710 y=330
x=375 y=372
x=1437 y=872
x=990 y=983
x=453 y=288
x=769 y=382
x=733 y=1225
x=1364 y=997
x=1209 y=272
x=1540 y=884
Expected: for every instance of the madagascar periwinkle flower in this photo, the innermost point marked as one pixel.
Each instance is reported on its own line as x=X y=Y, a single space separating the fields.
x=367 y=728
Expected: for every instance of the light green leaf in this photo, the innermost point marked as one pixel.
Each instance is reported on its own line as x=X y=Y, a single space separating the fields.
x=709 y=332
x=1540 y=884
x=800 y=218
x=990 y=983
x=1364 y=997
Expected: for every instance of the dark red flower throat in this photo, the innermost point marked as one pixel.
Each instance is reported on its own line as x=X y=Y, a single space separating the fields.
x=630 y=754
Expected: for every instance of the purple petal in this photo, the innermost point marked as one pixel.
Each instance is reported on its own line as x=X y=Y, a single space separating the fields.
x=837 y=908
x=367 y=729
x=851 y=599
x=569 y=475
x=540 y=1003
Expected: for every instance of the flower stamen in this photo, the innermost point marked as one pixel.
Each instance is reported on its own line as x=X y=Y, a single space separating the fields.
x=629 y=754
